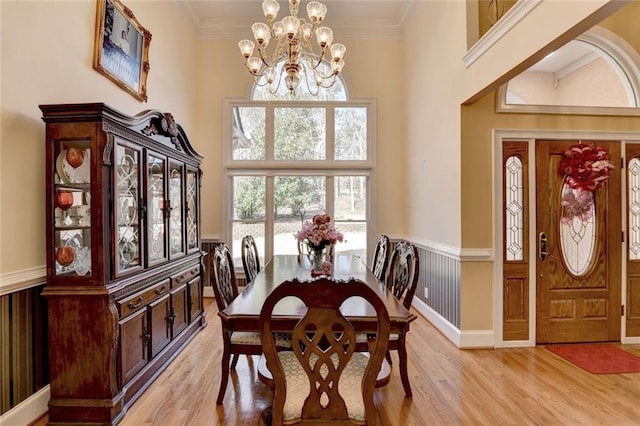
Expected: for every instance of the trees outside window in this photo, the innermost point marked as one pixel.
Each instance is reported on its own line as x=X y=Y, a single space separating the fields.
x=287 y=160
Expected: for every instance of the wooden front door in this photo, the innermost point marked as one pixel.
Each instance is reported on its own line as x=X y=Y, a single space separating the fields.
x=578 y=266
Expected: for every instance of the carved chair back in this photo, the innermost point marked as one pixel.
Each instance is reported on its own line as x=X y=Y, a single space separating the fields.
x=323 y=345
x=250 y=258
x=223 y=277
x=381 y=257
x=404 y=269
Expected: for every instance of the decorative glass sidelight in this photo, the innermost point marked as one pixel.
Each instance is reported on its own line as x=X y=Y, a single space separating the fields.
x=577 y=229
x=514 y=206
x=634 y=209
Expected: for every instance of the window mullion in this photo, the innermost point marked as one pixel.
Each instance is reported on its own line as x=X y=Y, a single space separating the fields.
x=330 y=195
x=269 y=218
x=330 y=132
x=269 y=133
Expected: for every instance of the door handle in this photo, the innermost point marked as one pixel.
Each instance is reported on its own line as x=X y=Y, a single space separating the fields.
x=542 y=246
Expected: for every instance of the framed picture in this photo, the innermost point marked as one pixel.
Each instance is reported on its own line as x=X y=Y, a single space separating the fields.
x=121 y=50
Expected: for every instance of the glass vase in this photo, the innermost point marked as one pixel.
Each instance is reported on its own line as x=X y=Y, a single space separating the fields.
x=318 y=258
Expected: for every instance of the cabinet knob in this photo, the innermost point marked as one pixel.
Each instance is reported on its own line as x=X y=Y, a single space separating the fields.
x=160 y=290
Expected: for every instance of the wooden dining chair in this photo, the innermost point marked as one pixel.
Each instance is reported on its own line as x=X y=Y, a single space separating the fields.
x=323 y=378
x=225 y=289
x=380 y=259
x=250 y=258
x=402 y=280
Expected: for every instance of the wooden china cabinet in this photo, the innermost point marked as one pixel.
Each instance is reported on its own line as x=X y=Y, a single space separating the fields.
x=124 y=264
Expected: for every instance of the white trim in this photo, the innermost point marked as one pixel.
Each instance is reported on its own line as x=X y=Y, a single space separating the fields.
x=477 y=339
x=457 y=253
x=631 y=341
x=210 y=238
x=28 y=410
x=449 y=331
x=466 y=339
x=208 y=292
x=11 y=282
x=505 y=24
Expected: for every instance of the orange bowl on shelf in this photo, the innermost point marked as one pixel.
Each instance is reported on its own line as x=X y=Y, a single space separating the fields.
x=65 y=255
x=64 y=199
x=75 y=157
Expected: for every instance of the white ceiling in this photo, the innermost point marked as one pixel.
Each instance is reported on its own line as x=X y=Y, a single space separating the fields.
x=362 y=19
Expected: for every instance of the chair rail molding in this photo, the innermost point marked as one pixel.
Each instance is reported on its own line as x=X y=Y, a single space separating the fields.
x=12 y=282
x=477 y=254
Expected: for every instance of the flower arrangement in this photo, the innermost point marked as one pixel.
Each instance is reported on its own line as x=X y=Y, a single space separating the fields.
x=586 y=167
x=319 y=232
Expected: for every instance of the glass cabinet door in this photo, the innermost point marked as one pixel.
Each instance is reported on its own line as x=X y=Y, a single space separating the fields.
x=127 y=208
x=156 y=208
x=72 y=207
x=176 y=216
x=192 y=209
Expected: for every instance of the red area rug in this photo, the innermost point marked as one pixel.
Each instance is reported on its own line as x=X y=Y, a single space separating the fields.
x=598 y=358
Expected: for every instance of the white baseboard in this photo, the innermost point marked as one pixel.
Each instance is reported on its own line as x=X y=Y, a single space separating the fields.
x=472 y=339
x=28 y=410
x=208 y=292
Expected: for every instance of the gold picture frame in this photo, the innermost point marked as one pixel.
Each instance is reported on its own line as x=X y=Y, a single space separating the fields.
x=121 y=51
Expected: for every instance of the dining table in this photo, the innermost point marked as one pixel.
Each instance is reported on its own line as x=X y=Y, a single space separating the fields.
x=243 y=314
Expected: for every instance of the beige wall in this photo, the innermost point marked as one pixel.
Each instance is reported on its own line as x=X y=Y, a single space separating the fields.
x=47 y=57
x=188 y=77
x=433 y=71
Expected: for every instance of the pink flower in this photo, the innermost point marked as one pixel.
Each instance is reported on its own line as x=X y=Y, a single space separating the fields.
x=319 y=232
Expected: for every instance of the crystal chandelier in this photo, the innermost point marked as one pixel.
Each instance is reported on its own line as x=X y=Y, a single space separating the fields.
x=293 y=57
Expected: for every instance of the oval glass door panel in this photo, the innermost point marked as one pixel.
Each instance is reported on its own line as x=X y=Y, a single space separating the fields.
x=577 y=229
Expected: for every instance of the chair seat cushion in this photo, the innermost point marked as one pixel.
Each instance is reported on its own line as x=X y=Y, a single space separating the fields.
x=349 y=387
x=283 y=340
x=363 y=337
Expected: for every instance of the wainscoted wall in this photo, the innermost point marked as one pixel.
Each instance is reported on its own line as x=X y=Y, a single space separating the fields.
x=24 y=367
x=440 y=280
x=438 y=296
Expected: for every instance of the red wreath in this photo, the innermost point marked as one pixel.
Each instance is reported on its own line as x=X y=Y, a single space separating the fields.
x=586 y=167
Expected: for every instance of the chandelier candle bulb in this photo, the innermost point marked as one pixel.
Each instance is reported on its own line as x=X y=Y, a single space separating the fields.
x=293 y=59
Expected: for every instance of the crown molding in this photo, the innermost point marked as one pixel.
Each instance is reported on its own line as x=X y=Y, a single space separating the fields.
x=345 y=29
x=234 y=29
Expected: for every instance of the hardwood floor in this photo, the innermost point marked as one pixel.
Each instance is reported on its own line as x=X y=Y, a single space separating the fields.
x=524 y=386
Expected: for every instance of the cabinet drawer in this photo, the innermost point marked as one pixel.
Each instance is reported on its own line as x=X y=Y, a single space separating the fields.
x=142 y=298
x=184 y=276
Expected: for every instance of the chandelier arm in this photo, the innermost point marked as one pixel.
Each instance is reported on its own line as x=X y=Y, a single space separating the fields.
x=306 y=80
x=325 y=77
x=333 y=82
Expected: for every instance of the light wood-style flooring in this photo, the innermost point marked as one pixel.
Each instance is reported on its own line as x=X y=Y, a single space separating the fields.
x=524 y=386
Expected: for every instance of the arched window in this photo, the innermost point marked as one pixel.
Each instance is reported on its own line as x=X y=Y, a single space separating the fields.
x=287 y=158
x=338 y=92
x=597 y=73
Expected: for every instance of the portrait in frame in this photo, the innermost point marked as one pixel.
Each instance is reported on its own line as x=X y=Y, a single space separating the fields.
x=121 y=51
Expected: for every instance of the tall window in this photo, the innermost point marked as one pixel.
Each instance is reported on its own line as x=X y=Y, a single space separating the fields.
x=287 y=159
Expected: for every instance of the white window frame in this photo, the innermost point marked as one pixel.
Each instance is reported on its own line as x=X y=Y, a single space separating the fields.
x=270 y=167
